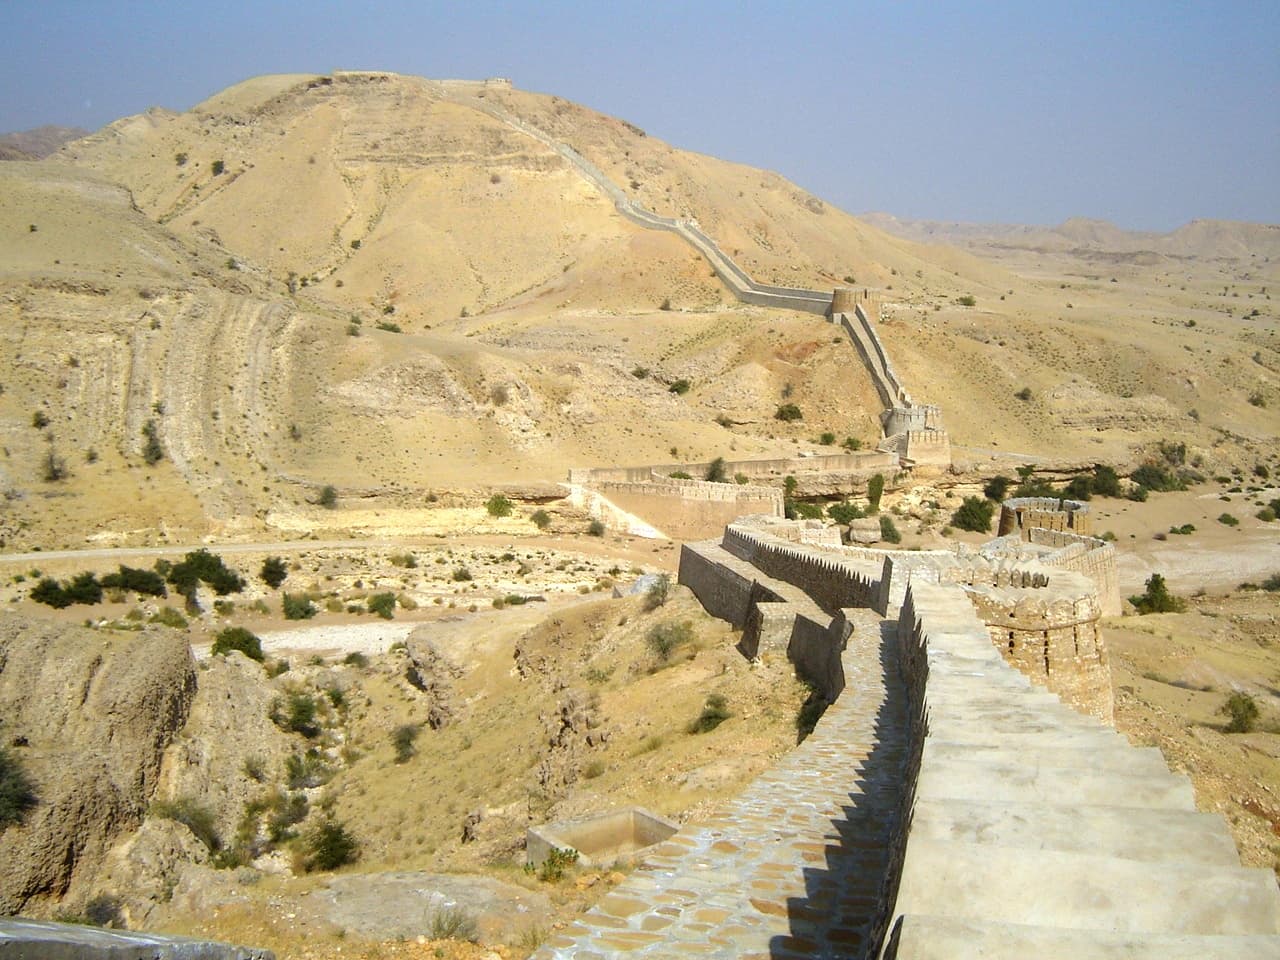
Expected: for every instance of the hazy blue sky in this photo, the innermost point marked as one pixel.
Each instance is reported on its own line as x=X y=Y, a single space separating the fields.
x=1145 y=113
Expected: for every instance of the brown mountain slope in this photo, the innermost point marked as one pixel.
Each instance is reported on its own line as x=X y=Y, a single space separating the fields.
x=392 y=285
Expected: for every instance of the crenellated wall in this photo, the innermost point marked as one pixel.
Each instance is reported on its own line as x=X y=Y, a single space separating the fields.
x=1094 y=558
x=1022 y=514
x=690 y=509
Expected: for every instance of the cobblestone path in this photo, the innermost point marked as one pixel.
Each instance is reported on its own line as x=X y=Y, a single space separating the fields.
x=794 y=867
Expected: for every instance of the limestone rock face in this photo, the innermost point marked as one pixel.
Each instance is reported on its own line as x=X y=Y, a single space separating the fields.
x=228 y=743
x=91 y=714
x=143 y=869
x=431 y=674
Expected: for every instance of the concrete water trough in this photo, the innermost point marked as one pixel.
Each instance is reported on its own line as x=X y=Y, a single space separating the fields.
x=600 y=839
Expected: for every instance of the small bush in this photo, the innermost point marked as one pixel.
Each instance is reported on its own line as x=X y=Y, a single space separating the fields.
x=453 y=923
x=844 y=513
x=1185 y=530
x=714 y=712
x=1106 y=482
x=541 y=519
x=300 y=714
x=83 y=588
x=974 y=514
x=145 y=582
x=152 y=451
x=1158 y=477
x=202 y=566
x=383 y=604
x=1227 y=520
x=218 y=167
x=558 y=861
x=297 y=606
x=595 y=528
x=402 y=739
x=461 y=575
x=39 y=420
x=679 y=387
x=169 y=617
x=1157 y=599
x=967 y=300
x=238 y=638
x=1080 y=488
x=329 y=846
x=680 y=475
x=498 y=506
x=889 y=530
x=827 y=439
x=53 y=467
x=640 y=372
x=663 y=638
x=996 y=488
x=659 y=590
x=1242 y=711
x=798 y=509
x=787 y=413
x=193 y=815
x=17 y=792
x=274 y=572
x=875 y=490
x=328 y=497
x=716 y=472
x=810 y=712
x=356 y=659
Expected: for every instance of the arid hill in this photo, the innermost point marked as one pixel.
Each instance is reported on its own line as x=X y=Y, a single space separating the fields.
x=38 y=143
x=400 y=287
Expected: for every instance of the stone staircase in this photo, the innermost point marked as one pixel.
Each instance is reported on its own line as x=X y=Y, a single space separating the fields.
x=795 y=866
x=1039 y=831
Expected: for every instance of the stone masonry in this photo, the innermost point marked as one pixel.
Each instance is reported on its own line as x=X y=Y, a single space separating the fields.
x=945 y=807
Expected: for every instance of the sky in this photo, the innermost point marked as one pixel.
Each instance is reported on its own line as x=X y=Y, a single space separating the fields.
x=1148 y=114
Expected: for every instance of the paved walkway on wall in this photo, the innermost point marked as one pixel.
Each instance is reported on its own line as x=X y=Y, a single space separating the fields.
x=793 y=868
x=1038 y=831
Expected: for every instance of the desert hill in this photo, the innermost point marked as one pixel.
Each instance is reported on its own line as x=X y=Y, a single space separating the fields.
x=38 y=143
x=400 y=287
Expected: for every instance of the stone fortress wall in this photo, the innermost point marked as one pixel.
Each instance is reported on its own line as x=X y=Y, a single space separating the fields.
x=946 y=806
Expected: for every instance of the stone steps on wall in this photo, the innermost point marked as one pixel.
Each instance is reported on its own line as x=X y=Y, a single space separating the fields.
x=944 y=938
x=1153 y=835
x=1119 y=756
x=1013 y=782
x=1083 y=891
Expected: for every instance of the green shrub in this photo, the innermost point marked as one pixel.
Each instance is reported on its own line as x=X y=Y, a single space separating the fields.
x=498 y=506
x=238 y=638
x=974 y=514
x=716 y=472
x=193 y=815
x=680 y=475
x=218 y=167
x=17 y=792
x=558 y=861
x=328 y=497
x=203 y=566
x=453 y=923
x=1158 y=477
x=595 y=528
x=152 y=451
x=1266 y=514
x=300 y=714
x=679 y=387
x=640 y=372
x=356 y=659
x=402 y=739
x=1106 y=482
x=329 y=846
x=169 y=617
x=851 y=444
x=996 y=488
x=541 y=519
x=875 y=490
x=1243 y=713
x=1157 y=599
x=659 y=590
x=1080 y=488
x=304 y=771
x=889 y=530
x=1272 y=583
x=788 y=412
x=297 y=606
x=1024 y=394
x=146 y=582
x=798 y=509
x=274 y=572
x=844 y=513
x=383 y=604
x=461 y=575
x=83 y=588
x=663 y=638
x=827 y=438
x=39 y=420
x=1228 y=520
x=714 y=712
x=1185 y=530
x=967 y=300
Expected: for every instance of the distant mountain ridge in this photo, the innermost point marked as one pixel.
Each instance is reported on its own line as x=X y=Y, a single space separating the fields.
x=38 y=143
x=1213 y=239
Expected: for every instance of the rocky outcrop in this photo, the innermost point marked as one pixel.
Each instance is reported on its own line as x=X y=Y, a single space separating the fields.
x=432 y=675
x=90 y=714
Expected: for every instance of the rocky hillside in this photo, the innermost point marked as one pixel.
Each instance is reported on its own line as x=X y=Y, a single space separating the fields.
x=390 y=285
